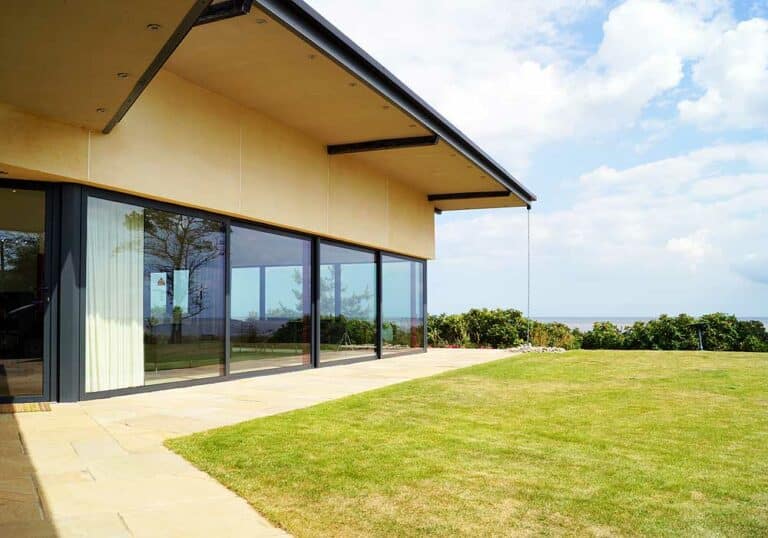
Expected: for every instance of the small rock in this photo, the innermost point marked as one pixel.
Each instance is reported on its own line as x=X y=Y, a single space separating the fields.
x=527 y=348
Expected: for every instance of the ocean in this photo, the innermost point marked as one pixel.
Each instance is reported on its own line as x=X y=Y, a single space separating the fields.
x=585 y=323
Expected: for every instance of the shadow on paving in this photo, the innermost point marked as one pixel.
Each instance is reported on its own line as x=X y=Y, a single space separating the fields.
x=22 y=509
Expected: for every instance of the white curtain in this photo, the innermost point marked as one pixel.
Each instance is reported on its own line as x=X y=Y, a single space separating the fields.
x=114 y=331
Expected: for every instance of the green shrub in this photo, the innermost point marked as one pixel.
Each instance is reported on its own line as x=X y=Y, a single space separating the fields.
x=720 y=332
x=501 y=328
x=554 y=335
x=752 y=336
x=496 y=328
x=447 y=330
x=604 y=335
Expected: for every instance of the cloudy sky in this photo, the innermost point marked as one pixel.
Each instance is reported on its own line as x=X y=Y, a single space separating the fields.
x=641 y=126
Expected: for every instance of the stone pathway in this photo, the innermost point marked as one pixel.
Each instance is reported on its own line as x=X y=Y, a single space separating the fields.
x=99 y=468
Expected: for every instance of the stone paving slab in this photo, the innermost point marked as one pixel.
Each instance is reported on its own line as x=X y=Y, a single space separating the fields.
x=99 y=468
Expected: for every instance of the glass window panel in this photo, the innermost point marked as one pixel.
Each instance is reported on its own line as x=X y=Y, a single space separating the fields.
x=155 y=296
x=22 y=298
x=270 y=300
x=402 y=304
x=184 y=331
x=347 y=303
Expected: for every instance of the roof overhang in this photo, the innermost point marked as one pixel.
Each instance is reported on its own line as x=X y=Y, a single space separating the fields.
x=84 y=62
x=279 y=57
x=285 y=60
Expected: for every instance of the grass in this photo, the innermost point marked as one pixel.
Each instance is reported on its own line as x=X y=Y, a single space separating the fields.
x=584 y=443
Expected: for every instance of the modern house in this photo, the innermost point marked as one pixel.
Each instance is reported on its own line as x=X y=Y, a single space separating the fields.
x=192 y=191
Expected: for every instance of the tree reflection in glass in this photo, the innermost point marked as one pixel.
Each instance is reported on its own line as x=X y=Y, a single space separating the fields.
x=184 y=296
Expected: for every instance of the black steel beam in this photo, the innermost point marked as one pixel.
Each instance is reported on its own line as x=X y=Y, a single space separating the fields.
x=467 y=195
x=173 y=42
x=379 y=145
x=224 y=10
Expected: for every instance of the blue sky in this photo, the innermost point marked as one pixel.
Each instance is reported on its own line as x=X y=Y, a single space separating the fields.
x=641 y=126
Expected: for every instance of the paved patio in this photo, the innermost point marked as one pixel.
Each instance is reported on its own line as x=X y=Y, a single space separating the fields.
x=99 y=468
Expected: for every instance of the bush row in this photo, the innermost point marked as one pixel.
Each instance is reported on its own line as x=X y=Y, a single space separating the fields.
x=508 y=328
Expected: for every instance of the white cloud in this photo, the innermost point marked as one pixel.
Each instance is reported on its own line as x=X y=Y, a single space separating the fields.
x=734 y=76
x=669 y=174
x=637 y=238
x=512 y=75
x=694 y=247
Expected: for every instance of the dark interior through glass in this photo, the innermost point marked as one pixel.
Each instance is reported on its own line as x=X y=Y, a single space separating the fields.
x=22 y=291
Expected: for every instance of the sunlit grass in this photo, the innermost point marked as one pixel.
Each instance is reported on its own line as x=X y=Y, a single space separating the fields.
x=629 y=443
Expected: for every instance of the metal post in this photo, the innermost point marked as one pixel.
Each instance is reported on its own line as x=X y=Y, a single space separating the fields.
x=315 y=306
x=379 y=315
x=424 y=303
x=227 y=298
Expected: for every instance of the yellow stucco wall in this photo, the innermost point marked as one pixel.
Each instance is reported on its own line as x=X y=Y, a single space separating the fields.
x=184 y=144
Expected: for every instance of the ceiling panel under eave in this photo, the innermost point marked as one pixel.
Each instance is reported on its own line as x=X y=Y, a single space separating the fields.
x=61 y=58
x=257 y=62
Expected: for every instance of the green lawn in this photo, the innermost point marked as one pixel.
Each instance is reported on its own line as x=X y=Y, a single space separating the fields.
x=585 y=443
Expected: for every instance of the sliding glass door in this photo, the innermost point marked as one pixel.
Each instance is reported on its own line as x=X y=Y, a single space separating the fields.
x=23 y=294
x=270 y=305
x=402 y=304
x=178 y=295
x=347 y=303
